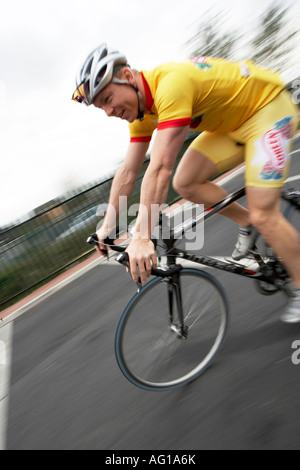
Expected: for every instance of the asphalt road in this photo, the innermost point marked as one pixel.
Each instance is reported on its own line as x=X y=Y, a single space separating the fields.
x=66 y=391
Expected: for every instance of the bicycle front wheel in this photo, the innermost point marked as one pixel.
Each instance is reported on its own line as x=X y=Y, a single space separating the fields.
x=150 y=348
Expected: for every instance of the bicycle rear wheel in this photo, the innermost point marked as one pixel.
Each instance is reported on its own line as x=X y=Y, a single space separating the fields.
x=150 y=348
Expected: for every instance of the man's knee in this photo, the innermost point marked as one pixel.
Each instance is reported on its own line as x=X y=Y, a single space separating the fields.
x=182 y=186
x=264 y=208
x=258 y=218
x=176 y=183
x=193 y=170
x=265 y=221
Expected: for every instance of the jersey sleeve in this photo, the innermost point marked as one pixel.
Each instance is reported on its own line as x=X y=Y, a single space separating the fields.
x=174 y=101
x=141 y=131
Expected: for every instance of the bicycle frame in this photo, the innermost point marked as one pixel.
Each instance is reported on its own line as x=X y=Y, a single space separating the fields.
x=270 y=277
x=271 y=272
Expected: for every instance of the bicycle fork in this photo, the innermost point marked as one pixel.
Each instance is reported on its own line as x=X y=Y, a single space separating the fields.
x=174 y=290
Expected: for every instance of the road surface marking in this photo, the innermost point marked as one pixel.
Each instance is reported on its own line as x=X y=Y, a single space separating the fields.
x=5 y=368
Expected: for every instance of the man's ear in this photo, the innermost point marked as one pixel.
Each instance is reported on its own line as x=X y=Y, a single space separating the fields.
x=127 y=74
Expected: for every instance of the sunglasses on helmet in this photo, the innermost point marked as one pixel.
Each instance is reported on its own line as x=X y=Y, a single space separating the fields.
x=81 y=93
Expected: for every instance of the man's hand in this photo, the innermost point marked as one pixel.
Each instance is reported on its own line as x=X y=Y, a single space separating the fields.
x=142 y=258
x=102 y=249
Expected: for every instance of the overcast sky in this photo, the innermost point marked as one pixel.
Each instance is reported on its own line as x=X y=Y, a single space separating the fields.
x=49 y=143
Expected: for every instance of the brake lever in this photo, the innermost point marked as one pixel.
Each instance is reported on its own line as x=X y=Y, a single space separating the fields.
x=94 y=240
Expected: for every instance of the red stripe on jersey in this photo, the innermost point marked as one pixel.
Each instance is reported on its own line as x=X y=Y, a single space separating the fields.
x=140 y=139
x=174 y=123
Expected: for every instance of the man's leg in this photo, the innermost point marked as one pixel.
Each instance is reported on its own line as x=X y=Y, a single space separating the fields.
x=268 y=137
x=191 y=182
x=265 y=215
x=282 y=237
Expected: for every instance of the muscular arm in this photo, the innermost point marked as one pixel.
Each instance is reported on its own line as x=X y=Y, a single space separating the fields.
x=123 y=185
x=168 y=143
x=156 y=180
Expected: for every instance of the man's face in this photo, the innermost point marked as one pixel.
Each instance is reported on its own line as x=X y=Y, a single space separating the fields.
x=119 y=101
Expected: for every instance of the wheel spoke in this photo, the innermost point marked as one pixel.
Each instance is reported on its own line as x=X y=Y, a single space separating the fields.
x=151 y=350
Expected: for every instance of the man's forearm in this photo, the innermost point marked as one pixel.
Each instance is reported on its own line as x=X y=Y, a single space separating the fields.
x=121 y=189
x=167 y=144
x=154 y=193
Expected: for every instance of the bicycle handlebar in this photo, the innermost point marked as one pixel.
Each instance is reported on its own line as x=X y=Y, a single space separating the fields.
x=94 y=240
x=123 y=258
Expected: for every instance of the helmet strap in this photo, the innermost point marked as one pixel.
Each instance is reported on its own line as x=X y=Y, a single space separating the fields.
x=140 y=103
x=140 y=115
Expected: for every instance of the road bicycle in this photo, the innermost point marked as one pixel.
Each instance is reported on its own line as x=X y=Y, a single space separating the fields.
x=174 y=327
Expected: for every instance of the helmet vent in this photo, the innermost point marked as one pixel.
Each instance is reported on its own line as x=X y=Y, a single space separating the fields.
x=101 y=75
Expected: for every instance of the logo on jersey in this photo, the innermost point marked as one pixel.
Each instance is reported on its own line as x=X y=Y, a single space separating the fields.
x=201 y=63
x=275 y=144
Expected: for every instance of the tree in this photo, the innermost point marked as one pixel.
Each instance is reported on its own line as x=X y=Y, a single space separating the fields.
x=272 y=46
x=209 y=40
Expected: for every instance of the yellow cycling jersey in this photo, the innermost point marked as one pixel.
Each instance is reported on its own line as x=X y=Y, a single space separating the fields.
x=205 y=93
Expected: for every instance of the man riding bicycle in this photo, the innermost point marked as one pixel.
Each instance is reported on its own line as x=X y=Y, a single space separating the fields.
x=243 y=113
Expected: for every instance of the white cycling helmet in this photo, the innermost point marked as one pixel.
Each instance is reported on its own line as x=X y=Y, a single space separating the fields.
x=98 y=71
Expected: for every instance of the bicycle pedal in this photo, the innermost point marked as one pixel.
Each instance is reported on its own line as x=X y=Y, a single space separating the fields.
x=256 y=256
x=238 y=262
x=232 y=261
x=253 y=255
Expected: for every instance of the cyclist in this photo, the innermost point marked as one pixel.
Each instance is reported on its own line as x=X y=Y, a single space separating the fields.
x=242 y=113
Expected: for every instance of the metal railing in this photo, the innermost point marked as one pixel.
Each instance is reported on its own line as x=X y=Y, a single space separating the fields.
x=48 y=243
x=40 y=248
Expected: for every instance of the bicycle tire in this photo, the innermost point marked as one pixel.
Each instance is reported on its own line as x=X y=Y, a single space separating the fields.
x=150 y=354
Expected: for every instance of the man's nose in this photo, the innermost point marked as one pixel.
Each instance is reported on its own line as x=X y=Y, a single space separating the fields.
x=109 y=110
